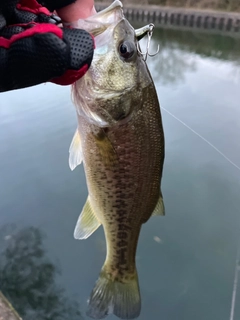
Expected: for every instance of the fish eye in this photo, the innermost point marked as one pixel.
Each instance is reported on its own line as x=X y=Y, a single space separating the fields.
x=127 y=49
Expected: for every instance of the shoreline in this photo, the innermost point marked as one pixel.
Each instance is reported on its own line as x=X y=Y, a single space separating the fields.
x=7 y=312
x=184 y=18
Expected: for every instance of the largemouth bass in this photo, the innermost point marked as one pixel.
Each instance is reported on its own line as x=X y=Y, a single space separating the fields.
x=121 y=143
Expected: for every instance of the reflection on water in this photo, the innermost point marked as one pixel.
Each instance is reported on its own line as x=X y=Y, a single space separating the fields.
x=206 y=45
x=178 y=50
x=186 y=261
x=27 y=277
x=173 y=62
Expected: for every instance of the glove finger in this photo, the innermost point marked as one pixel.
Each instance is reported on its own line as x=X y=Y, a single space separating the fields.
x=81 y=45
x=24 y=17
x=2 y=21
x=55 y=4
x=25 y=11
x=8 y=32
x=44 y=53
x=32 y=60
x=8 y=4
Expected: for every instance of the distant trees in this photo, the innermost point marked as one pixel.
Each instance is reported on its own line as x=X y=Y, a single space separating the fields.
x=28 y=277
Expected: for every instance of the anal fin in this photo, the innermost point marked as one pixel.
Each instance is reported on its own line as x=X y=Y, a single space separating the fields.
x=87 y=222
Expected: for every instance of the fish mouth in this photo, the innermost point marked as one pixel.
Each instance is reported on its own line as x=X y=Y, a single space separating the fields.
x=115 y=6
x=102 y=20
x=94 y=24
x=140 y=33
x=112 y=6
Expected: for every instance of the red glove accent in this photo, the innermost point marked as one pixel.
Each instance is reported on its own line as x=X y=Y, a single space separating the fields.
x=71 y=76
x=32 y=6
x=33 y=49
x=38 y=28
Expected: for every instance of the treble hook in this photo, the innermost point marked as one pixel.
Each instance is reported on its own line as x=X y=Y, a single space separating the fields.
x=140 y=33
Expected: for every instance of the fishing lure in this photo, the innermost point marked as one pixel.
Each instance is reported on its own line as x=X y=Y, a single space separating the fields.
x=140 y=33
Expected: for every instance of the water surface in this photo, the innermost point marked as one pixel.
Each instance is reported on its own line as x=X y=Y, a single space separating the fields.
x=186 y=260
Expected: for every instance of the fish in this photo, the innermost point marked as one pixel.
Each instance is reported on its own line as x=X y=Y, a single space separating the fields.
x=120 y=141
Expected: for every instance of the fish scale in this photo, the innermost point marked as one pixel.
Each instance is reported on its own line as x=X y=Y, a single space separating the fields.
x=121 y=143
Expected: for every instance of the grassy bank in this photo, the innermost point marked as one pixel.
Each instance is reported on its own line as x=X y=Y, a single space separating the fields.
x=226 y=5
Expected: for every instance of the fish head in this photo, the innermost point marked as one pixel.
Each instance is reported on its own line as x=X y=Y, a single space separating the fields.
x=113 y=85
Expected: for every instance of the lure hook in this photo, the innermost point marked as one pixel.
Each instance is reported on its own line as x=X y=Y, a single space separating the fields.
x=149 y=32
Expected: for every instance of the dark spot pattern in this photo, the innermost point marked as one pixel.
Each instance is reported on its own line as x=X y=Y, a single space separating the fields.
x=124 y=193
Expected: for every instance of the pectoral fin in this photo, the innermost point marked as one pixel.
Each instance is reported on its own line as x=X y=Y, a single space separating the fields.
x=106 y=149
x=87 y=222
x=159 y=209
x=75 y=151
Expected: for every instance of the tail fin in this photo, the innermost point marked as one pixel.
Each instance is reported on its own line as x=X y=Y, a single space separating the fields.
x=121 y=299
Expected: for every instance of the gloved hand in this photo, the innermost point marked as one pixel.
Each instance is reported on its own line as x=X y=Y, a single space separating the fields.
x=34 y=49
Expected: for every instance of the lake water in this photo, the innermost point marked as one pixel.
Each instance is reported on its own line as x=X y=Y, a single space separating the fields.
x=186 y=260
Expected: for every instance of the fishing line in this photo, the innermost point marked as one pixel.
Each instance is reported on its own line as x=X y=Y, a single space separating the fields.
x=201 y=137
x=235 y=285
x=237 y=264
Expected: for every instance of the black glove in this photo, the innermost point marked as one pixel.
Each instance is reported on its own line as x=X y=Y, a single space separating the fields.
x=33 y=49
x=55 y=4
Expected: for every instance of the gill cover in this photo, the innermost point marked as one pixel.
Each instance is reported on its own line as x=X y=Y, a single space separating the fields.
x=113 y=84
